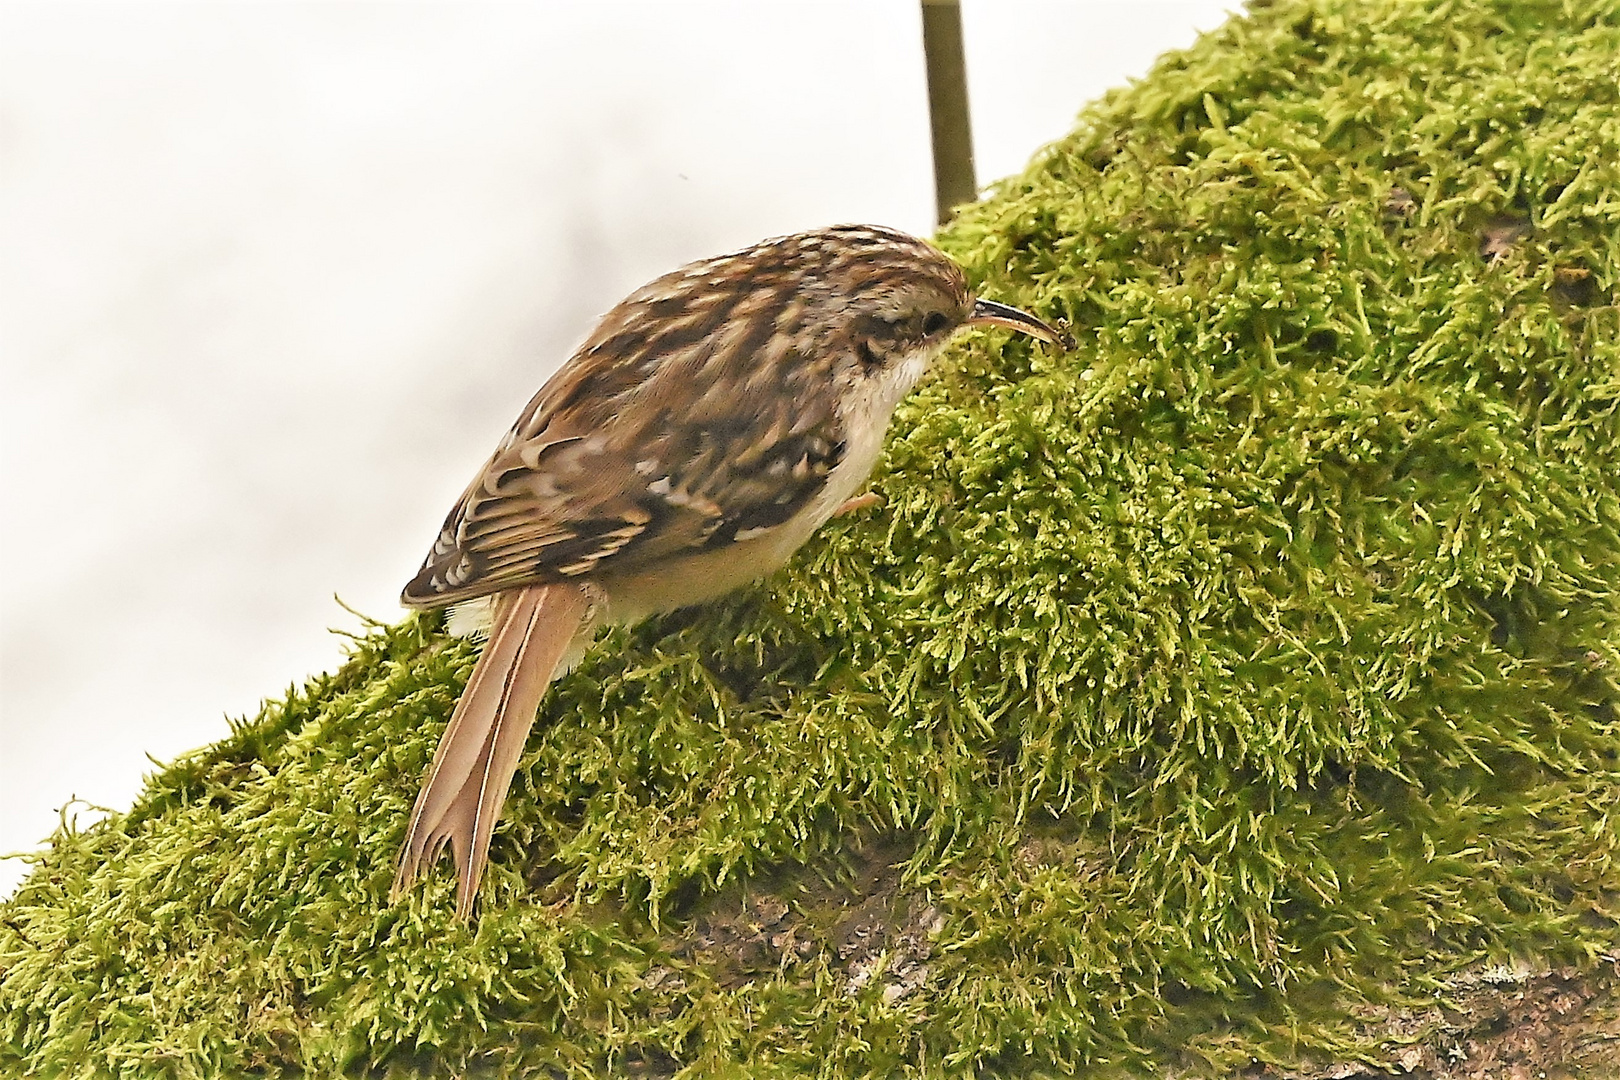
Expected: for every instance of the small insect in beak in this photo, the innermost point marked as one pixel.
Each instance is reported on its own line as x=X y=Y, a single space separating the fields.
x=988 y=311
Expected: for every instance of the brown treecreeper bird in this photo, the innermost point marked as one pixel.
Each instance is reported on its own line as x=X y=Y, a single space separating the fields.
x=712 y=421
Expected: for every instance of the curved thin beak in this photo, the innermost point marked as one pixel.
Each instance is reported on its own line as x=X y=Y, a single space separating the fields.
x=988 y=311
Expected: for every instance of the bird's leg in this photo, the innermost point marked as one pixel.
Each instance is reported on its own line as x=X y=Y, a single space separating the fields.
x=859 y=502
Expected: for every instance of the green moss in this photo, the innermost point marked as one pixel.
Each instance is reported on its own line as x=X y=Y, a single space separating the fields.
x=1254 y=663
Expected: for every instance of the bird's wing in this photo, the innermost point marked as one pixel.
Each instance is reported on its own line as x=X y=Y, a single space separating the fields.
x=660 y=436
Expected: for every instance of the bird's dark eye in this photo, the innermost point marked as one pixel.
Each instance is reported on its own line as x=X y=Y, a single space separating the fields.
x=934 y=323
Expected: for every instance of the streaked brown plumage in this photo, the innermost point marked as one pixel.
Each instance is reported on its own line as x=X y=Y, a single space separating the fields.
x=712 y=421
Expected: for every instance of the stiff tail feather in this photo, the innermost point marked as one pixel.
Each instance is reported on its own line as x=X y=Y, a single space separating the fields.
x=467 y=781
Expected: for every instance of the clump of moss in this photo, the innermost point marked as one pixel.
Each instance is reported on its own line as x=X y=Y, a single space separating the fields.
x=1191 y=693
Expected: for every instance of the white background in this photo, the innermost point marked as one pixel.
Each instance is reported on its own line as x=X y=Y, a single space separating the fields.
x=274 y=278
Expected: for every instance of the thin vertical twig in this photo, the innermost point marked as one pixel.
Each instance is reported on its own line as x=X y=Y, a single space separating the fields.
x=954 y=183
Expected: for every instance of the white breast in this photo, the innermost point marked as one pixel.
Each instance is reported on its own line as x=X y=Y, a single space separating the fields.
x=866 y=413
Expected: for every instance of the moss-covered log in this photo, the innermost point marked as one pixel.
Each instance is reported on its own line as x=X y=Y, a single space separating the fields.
x=1194 y=699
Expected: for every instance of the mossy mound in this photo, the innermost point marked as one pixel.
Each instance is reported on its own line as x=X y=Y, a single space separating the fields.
x=1190 y=694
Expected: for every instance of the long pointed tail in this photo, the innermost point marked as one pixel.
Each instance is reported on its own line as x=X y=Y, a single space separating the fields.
x=466 y=783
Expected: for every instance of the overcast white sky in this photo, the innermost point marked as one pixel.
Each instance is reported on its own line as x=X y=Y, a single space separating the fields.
x=275 y=277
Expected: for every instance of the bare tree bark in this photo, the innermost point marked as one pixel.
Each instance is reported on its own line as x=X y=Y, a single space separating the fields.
x=954 y=183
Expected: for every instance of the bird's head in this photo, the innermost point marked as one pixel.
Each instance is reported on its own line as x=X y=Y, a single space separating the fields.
x=886 y=297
